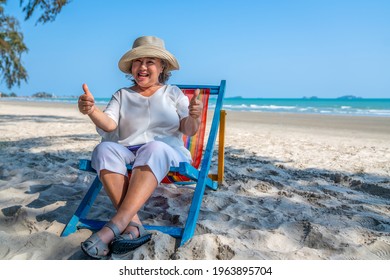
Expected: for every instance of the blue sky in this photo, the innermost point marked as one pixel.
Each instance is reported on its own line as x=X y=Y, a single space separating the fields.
x=273 y=48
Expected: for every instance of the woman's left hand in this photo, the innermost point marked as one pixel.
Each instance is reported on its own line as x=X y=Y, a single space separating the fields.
x=196 y=106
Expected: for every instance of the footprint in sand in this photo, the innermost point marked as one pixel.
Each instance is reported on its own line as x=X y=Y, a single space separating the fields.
x=380 y=249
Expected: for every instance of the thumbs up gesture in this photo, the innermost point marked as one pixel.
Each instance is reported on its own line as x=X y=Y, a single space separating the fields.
x=86 y=101
x=196 y=106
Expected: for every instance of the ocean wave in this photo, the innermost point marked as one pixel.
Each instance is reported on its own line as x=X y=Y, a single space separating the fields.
x=259 y=107
x=346 y=110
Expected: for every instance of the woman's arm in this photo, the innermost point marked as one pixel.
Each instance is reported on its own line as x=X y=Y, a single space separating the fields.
x=87 y=106
x=189 y=126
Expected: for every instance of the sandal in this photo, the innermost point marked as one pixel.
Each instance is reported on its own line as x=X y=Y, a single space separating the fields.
x=95 y=247
x=124 y=243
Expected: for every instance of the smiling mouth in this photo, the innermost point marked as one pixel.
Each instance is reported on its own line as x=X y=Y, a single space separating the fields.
x=143 y=75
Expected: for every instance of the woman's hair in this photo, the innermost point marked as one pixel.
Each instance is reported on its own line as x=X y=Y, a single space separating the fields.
x=162 y=78
x=165 y=74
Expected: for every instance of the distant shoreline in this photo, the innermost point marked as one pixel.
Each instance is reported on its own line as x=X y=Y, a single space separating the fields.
x=282 y=106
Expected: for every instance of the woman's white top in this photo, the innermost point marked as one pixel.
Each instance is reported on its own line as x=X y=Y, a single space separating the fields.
x=143 y=119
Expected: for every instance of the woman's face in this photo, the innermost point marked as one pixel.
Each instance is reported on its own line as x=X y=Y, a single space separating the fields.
x=146 y=71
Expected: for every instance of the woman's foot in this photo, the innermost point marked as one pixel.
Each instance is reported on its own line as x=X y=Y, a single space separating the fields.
x=133 y=237
x=132 y=230
x=97 y=245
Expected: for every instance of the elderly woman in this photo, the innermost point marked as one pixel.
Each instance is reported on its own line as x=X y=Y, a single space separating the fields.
x=142 y=125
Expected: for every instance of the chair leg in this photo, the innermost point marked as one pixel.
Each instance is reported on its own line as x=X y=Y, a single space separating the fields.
x=193 y=213
x=221 y=147
x=84 y=207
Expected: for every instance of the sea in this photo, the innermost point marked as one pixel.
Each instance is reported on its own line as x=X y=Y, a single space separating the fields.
x=328 y=106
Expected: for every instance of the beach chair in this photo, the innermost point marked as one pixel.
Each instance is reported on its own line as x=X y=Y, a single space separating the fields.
x=196 y=173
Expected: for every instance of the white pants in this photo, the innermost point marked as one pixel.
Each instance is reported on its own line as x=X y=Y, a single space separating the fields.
x=158 y=155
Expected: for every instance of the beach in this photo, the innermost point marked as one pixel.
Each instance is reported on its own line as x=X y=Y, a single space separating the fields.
x=297 y=187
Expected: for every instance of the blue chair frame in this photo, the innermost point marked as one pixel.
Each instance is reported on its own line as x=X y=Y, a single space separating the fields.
x=201 y=177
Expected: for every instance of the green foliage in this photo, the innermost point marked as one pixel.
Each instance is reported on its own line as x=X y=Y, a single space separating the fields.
x=12 y=46
x=12 y=94
x=42 y=95
x=49 y=9
x=11 y=49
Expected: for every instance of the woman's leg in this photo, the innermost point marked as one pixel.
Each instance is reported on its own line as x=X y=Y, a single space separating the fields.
x=115 y=186
x=142 y=184
x=109 y=160
x=152 y=163
x=127 y=196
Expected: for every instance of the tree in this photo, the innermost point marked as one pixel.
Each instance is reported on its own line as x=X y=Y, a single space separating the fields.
x=12 y=46
x=42 y=95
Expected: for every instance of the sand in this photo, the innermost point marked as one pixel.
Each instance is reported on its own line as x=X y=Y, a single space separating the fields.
x=297 y=187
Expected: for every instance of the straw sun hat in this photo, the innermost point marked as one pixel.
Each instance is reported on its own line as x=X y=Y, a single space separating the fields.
x=147 y=46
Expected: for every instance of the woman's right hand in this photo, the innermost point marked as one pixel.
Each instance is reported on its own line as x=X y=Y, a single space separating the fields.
x=87 y=107
x=86 y=101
